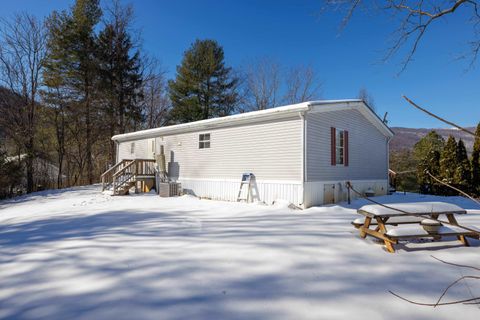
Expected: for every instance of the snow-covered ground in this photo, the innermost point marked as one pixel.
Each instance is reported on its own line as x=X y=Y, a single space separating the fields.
x=80 y=254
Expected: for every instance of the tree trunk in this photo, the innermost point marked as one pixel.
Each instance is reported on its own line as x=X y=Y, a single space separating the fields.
x=89 y=134
x=29 y=169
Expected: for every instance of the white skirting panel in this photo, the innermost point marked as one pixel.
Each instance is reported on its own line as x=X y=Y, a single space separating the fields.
x=227 y=190
x=314 y=190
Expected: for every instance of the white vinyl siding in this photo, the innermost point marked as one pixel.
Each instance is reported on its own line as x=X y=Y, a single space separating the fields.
x=367 y=147
x=141 y=149
x=271 y=150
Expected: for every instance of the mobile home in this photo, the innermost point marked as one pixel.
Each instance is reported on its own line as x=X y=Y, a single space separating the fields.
x=303 y=153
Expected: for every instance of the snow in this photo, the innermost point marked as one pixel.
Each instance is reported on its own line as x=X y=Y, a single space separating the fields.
x=81 y=254
x=392 y=220
x=418 y=230
x=417 y=207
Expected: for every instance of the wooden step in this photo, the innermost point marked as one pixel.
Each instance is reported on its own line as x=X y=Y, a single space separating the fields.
x=125 y=189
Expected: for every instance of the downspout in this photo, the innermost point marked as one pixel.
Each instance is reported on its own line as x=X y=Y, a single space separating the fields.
x=388 y=163
x=116 y=151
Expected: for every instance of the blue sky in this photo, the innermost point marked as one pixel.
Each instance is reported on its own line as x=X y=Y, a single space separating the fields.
x=293 y=33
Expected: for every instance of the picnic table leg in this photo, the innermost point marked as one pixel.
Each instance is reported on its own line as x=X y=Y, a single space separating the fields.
x=383 y=230
x=462 y=238
x=366 y=225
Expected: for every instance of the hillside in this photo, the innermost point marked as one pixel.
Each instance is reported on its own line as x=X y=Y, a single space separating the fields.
x=405 y=138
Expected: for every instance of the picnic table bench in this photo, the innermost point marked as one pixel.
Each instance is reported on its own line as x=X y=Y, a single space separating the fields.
x=408 y=213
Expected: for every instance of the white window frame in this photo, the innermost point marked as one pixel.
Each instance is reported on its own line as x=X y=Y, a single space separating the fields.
x=339 y=147
x=132 y=147
x=204 y=140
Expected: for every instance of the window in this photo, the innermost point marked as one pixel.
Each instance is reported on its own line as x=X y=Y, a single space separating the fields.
x=204 y=141
x=340 y=147
x=132 y=147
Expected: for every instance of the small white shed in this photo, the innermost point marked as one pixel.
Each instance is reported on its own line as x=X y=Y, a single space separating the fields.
x=303 y=153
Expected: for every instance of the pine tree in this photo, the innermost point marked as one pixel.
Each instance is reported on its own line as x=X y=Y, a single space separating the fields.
x=120 y=75
x=463 y=172
x=204 y=87
x=431 y=142
x=74 y=74
x=476 y=163
x=429 y=164
x=448 y=164
x=427 y=155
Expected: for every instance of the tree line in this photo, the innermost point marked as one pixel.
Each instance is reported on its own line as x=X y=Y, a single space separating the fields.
x=434 y=162
x=70 y=82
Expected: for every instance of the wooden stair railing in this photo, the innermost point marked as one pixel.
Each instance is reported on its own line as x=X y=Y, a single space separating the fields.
x=107 y=176
x=127 y=171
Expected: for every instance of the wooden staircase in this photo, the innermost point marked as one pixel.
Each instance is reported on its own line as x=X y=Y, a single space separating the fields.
x=125 y=174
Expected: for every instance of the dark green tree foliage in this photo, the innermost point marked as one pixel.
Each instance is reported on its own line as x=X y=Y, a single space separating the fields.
x=71 y=59
x=427 y=155
x=429 y=164
x=476 y=163
x=462 y=177
x=120 y=75
x=204 y=87
x=431 y=142
x=403 y=162
x=57 y=94
x=448 y=163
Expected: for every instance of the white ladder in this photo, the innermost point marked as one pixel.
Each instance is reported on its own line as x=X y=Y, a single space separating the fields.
x=246 y=181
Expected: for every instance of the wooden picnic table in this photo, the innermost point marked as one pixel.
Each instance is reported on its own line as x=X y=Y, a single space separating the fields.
x=381 y=215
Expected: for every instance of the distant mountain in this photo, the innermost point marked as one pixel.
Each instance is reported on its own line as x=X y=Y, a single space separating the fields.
x=405 y=138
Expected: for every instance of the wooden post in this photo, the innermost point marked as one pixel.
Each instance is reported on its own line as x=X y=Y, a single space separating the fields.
x=461 y=238
x=348 y=191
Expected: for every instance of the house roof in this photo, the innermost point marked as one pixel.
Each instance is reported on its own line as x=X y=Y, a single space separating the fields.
x=256 y=116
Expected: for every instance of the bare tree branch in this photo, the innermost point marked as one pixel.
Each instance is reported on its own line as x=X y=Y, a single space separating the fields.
x=438 y=117
x=416 y=17
x=262 y=84
x=455 y=264
x=452 y=187
x=436 y=304
x=474 y=300
x=302 y=85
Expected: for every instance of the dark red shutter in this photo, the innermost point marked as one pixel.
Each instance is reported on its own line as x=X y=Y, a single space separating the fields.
x=332 y=147
x=345 y=141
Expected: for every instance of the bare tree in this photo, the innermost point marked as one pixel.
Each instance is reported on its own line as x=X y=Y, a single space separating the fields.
x=156 y=104
x=364 y=95
x=302 y=85
x=22 y=52
x=415 y=18
x=262 y=80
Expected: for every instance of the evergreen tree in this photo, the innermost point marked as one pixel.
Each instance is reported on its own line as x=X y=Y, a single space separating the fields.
x=431 y=142
x=462 y=173
x=476 y=163
x=74 y=74
x=426 y=153
x=448 y=163
x=403 y=161
x=204 y=87
x=429 y=164
x=120 y=75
